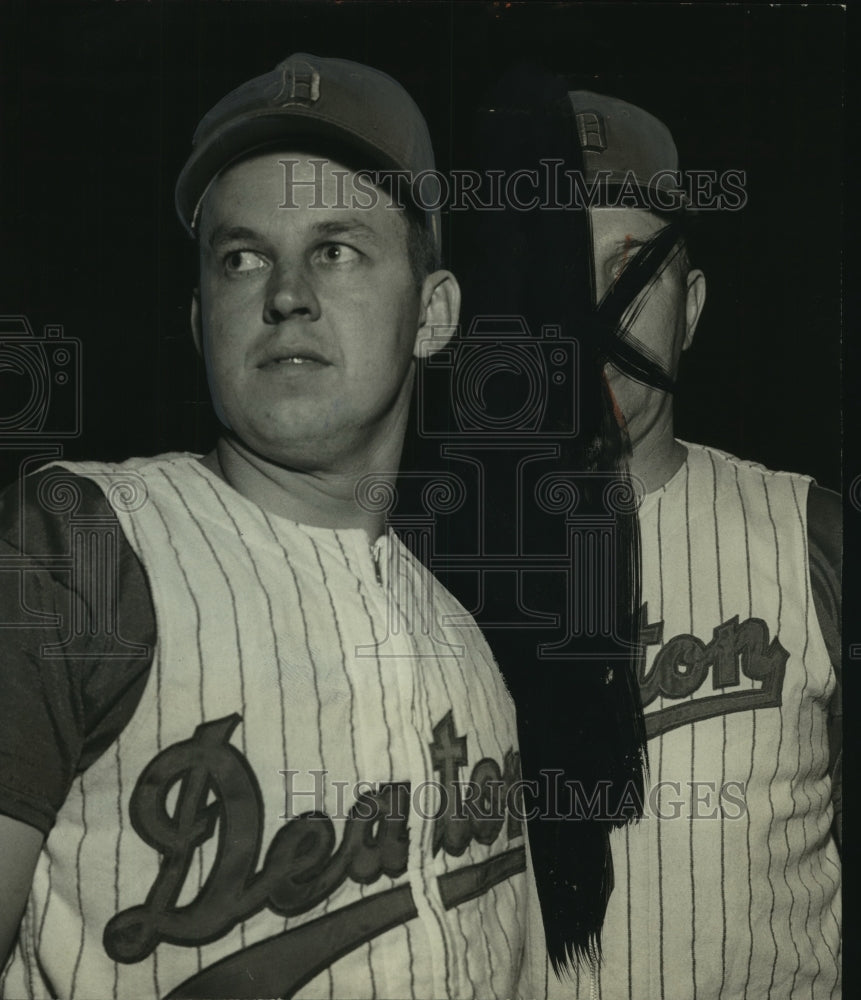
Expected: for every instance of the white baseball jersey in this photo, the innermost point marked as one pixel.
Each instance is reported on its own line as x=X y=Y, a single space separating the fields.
x=292 y=665
x=729 y=888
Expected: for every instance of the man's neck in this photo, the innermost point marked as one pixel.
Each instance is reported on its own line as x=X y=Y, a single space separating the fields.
x=656 y=460
x=319 y=499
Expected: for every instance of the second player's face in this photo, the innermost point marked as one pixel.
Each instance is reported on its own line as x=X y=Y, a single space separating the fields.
x=308 y=313
x=662 y=318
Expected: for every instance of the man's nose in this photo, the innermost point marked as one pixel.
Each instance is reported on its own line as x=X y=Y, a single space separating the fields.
x=290 y=294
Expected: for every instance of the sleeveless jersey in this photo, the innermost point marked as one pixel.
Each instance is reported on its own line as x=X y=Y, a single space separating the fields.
x=282 y=815
x=729 y=888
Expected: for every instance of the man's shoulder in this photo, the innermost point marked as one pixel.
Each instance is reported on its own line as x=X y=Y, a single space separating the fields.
x=794 y=493
x=38 y=508
x=702 y=453
x=35 y=509
x=822 y=514
x=140 y=466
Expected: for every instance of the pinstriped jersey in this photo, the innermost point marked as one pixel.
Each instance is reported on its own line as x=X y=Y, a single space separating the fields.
x=285 y=813
x=729 y=888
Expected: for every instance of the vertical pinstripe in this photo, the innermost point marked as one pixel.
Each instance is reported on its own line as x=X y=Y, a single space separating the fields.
x=300 y=605
x=800 y=728
x=753 y=742
x=780 y=739
x=240 y=659
x=30 y=979
x=487 y=698
x=80 y=883
x=721 y=614
x=304 y=620
x=794 y=898
x=487 y=726
x=252 y=563
x=419 y=708
x=629 y=939
x=342 y=660
x=693 y=750
x=343 y=656
x=278 y=664
x=720 y=598
x=388 y=730
x=450 y=969
x=192 y=598
x=39 y=938
x=746 y=906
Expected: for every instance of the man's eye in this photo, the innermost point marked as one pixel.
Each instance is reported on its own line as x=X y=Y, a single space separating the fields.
x=243 y=262
x=618 y=263
x=337 y=253
x=613 y=268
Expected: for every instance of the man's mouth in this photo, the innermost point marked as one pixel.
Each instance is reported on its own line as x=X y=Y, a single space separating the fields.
x=305 y=359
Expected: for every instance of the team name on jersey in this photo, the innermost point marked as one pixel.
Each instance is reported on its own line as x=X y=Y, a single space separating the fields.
x=218 y=795
x=683 y=665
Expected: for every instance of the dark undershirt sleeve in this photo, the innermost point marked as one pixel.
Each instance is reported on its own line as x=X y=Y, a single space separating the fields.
x=73 y=665
x=825 y=538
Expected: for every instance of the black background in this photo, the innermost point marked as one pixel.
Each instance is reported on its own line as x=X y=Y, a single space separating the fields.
x=99 y=101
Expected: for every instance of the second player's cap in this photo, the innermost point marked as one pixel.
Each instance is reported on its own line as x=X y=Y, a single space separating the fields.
x=625 y=142
x=334 y=100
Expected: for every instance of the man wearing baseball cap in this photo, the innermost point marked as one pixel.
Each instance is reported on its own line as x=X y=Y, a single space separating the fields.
x=243 y=774
x=730 y=885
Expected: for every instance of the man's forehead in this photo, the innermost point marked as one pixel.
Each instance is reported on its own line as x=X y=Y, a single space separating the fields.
x=286 y=182
x=287 y=170
x=611 y=226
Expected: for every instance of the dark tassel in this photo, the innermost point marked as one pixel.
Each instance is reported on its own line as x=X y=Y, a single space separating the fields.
x=580 y=720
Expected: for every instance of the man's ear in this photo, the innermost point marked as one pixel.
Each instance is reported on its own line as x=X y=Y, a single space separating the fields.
x=440 y=311
x=696 y=299
x=196 y=325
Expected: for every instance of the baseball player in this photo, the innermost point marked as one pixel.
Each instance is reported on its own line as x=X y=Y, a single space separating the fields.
x=235 y=730
x=730 y=886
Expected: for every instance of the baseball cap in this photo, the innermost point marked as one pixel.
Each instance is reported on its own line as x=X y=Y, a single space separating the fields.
x=626 y=143
x=309 y=97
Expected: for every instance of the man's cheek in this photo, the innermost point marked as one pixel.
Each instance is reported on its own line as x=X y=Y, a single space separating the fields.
x=618 y=412
x=218 y=384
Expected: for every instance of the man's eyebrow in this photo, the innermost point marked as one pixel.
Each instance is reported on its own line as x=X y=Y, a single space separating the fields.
x=627 y=242
x=227 y=234
x=331 y=228
x=346 y=227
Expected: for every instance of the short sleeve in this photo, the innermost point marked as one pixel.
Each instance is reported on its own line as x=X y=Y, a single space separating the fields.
x=77 y=630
